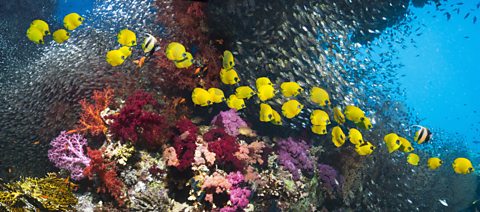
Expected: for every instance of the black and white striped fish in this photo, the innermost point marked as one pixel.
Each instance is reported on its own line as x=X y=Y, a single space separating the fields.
x=422 y=135
x=150 y=45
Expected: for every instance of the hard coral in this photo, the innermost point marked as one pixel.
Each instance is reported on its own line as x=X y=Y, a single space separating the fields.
x=106 y=172
x=230 y=121
x=137 y=122
x=67 y=153
x=90 y=119
x=293 y=155
x=184 y=143
x=224 y=146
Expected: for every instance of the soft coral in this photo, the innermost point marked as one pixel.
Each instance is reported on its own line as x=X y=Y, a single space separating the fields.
x=224 y=146
x=137 y=121
x=106 y=172
x=184 y=143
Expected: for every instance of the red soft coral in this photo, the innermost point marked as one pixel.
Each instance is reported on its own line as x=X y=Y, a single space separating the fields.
x=90 y=119
x=185 y=22
x=136 y=121
x=224 y=146
x=106 y=172
x=184 y=143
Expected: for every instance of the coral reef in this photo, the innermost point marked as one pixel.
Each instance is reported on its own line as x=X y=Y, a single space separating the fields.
x=230 y=121
x=67 y=152
x=90 y=119
x=293 y=155
x=251 y=153
x=329 y=177
x=105 y=172
x=53 y=194
x=137 y=122
x=224 y=146
x=152 y=199
x=116 y=151
x=184 y=143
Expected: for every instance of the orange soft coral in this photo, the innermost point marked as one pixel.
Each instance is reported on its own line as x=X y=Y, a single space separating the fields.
x=90 y=119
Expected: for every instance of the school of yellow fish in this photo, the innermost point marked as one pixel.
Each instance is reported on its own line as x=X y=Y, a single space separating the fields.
x=265 y=90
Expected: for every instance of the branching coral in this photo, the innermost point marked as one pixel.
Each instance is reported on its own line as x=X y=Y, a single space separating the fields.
x=137 y=121
x=224 y=146
x=90 y=119
x=230 y=121
x=184 y=143
x=293 y=155
x=53 y=194
x=106 y=173
x=67 y=153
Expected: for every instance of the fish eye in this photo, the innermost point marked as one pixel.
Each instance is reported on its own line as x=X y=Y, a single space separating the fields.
x=235 y=79
x=369 y=126
x=269 y=116
x=372 y=147
x=47 y=32
x=133 y=42
x=231 y=63
x=324 y=131
x=209 y=102
x=80 y=19
x=341 y=137
x=184 y=55
x=409 y=148
x=398 y=142
x=470 y=169
x=299 y=90
x=40 y=41
x=68 y=34
x=243 y=106
x=362 y=119
x=123 y=57
x=441 y=162
x=326 y=102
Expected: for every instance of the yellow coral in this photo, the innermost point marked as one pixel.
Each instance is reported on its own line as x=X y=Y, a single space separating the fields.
x=52 y=192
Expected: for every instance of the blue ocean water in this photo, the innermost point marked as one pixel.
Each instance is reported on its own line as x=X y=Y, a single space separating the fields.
x=65 y=7
x=442 y=72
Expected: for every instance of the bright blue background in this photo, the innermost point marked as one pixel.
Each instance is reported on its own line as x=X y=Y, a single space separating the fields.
x=65 y=7
x=442 y=83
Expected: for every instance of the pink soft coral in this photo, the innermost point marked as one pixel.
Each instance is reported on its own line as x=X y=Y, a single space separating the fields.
x=215 y=183
x=203 y=156
x=170 y=157
x=251 y=153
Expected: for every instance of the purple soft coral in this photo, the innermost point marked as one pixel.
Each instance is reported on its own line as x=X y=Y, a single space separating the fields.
x=230 y=120
x=329 y=177
x=294 y=156
x=67 y=153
